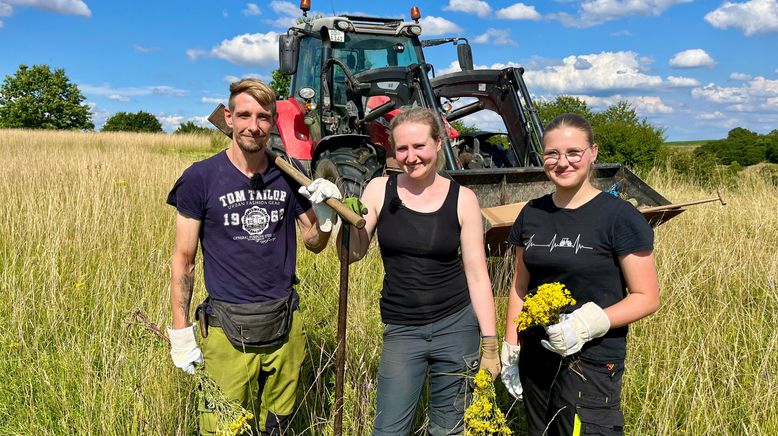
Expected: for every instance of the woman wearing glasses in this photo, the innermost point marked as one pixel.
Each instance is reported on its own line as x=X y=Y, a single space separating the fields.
x=601 y=248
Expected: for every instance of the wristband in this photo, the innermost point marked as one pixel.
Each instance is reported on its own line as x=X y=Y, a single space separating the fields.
x=488 y=336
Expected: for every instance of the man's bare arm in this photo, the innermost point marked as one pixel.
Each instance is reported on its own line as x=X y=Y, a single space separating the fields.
x=182 y=269
x=315 y=240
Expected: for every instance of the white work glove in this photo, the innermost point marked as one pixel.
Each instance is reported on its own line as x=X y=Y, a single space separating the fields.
x=509 y=357
x=575 y=329
x=184 y=349
x=318 y=192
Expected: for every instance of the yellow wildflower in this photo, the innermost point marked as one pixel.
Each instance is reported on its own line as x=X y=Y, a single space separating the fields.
x=544 y=306
x=483 y=417
x=231 y=418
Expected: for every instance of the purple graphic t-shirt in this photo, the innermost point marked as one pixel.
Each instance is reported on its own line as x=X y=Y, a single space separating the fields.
x=247 y=235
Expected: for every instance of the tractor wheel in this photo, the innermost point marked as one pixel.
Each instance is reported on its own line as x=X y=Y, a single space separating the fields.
x=350 y=168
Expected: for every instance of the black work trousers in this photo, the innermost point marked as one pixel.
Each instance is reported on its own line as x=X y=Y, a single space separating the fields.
x=570 y=396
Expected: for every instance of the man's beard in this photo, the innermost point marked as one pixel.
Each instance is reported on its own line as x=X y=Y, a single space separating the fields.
x=254 y=147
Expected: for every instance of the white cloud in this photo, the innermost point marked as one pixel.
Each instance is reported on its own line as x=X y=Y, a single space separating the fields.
x=432 y=26
x=709 y=116
x=621 y=33
x=288 y=13
x=117 y=97
x=692 y=58
x=609 y=71
x=201 y=121
x=757 y=94
x=225 y=14
x=643 y=104
x=477 y=7
x=682 y=82
x=594 y=12
x=1 y=24
x=108 y=91
x=170 y=122
x=66 y=7
x=717 y=94
x=257 y=49
x=582 y=64
x=6 y=10
x=211 y=100
x=141 y=49
x=251 y=10
x=284 y=8
x=518 y=11
x=451 y=68
x=740 y=76
x=751 y=17
x=232 y=79
x=99 y=115
x=650 y=104
x=194 y=53
x=495 y=37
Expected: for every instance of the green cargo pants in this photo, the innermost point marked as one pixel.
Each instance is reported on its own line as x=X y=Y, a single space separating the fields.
x=263 y=379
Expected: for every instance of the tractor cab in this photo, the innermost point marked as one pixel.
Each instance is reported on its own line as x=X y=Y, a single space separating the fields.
x=323 y=54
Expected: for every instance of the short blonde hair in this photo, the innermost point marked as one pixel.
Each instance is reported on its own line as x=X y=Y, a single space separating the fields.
x=257 y=89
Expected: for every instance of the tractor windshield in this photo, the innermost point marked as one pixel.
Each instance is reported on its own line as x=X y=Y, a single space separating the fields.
x=358 y=52
x=362 y=52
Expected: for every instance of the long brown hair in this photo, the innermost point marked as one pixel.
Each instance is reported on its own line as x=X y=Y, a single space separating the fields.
x=574 y=121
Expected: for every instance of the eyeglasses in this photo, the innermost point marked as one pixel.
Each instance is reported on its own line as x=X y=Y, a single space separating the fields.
x=573 y=156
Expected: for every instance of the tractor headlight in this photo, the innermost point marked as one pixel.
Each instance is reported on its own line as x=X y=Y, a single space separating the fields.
x=414 y=30
x=306 y=93
x=344 y=26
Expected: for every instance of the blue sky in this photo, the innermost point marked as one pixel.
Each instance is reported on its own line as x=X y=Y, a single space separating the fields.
x=694 y=67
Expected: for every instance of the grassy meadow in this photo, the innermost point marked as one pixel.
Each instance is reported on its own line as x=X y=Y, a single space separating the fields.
x=86 y=236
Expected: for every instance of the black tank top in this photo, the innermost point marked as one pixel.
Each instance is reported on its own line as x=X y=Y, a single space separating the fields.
x=424 y=280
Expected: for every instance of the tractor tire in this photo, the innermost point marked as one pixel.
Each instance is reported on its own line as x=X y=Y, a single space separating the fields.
x=350 y=168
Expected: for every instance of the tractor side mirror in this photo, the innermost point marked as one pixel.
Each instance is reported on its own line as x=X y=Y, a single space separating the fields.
x=465 y=55
x=288 y=46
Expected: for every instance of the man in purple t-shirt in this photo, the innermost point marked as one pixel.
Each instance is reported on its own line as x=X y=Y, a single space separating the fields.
x=242 y=210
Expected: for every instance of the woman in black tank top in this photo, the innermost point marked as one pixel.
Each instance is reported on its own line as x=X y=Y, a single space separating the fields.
x=434 y=301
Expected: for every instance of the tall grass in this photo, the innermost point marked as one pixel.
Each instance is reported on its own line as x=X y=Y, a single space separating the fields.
x=85 y=238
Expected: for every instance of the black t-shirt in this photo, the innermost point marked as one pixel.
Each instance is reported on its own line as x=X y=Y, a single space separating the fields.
x=581 y=248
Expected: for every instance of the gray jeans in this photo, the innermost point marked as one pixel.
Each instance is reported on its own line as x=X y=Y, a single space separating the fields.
x=447 y=350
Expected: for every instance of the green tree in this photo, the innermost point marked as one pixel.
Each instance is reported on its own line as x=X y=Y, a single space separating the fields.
x=191 y=128
x=461 y=127
x=563 y=104
x=39 y=98
x=618 y=131
x=280 y=84
x=132 y=122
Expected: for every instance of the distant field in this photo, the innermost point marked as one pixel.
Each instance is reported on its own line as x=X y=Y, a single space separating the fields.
x=86 y=237
x=686 y=144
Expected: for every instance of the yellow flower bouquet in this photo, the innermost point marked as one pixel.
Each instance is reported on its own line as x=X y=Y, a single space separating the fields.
x=232 y=419
x=483 y=417
x=544 y=306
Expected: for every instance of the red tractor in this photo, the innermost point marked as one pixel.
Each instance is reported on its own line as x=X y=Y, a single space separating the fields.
x=351 y=74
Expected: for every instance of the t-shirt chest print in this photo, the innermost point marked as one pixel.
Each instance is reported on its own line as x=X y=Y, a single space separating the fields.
x=249 y=213
x=557 y=242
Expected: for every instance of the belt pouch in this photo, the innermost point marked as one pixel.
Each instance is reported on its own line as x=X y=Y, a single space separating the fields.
x=261 y=324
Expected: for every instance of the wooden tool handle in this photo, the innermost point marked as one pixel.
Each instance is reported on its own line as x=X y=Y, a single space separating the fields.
x=345 y=213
